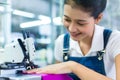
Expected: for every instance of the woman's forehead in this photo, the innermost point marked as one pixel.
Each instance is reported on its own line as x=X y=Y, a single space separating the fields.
x=75 y=12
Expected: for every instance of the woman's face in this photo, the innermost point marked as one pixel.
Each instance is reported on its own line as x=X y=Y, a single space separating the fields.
x=79 y=23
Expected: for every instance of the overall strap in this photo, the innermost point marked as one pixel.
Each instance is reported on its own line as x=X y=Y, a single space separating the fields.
x=106 y=34
x=66 y=42
x=66 y=47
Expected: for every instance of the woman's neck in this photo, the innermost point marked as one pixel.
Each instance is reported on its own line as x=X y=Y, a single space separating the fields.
x=85 y=45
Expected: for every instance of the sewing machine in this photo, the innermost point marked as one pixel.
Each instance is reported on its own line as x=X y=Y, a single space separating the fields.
x=20 y=52
x=18 y=57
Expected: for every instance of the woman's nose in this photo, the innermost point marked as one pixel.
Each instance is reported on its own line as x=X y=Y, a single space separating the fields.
x=72 y=27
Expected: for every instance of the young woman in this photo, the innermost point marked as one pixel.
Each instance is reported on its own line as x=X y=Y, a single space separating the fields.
x=89 y=51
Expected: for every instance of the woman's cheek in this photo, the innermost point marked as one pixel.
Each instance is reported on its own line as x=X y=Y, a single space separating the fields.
x=66 y=24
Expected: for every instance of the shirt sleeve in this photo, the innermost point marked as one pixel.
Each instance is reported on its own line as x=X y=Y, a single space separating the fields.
x=115 y=44
x=58 y=50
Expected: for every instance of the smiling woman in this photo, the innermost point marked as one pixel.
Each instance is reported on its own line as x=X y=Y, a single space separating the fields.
x=88 y=51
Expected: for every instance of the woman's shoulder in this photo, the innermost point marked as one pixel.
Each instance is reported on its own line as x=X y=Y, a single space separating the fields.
x=115 y=37
x=115 y=34
x=60 y=38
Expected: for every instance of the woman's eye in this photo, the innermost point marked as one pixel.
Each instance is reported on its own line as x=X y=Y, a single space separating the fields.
x=68 y=20
x=81 y=24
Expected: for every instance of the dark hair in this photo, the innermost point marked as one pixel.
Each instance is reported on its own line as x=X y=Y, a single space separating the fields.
x=95 y=7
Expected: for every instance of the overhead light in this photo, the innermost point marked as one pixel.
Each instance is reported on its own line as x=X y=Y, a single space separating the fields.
x=23 y=13
x=43 y=20
x=2 y=9
x=43 y=17
x=57 y=21
x=44 y=40
x=34 y=23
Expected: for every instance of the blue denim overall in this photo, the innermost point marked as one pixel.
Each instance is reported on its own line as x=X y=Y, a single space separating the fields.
x=93 y=62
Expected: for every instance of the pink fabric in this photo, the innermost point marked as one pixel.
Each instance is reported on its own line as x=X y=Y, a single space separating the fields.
x=54 y=76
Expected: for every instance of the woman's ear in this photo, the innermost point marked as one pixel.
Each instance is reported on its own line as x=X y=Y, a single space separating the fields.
x=98 y=19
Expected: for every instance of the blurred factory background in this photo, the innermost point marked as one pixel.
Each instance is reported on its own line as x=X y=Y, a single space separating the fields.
x=42 y=18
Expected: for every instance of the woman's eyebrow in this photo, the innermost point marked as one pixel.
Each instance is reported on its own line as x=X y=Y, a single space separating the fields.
x=79 y=20
x=66 y=16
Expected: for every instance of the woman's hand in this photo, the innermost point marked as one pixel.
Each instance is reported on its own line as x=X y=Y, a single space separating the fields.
x=81 y=71
x=59 y=68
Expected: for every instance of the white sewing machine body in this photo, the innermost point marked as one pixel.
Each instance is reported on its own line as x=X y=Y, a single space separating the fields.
x=13 y=52
x=18 y=55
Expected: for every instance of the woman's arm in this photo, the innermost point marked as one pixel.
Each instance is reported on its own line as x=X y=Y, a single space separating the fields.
x=57 y=61
x=58 y=68
x=117 y=64
x=67 y=67
x=85 y=73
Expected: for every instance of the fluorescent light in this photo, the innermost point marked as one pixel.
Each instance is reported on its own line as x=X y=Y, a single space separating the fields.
x=57 y=21
x=2 y=8
x=43 y=17
x=44 y=40
x=34 y=23
x=23 y=13
x=43 y=20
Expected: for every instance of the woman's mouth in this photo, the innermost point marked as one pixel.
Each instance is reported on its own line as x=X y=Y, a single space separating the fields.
x=75 y=34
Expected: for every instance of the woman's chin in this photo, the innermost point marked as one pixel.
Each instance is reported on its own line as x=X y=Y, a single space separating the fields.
x=75 y=38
